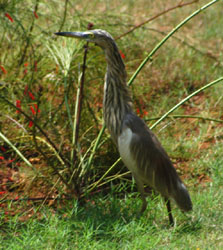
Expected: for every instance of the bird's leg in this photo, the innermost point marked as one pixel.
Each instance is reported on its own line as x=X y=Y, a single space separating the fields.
x=167 y=201
x=140 y=188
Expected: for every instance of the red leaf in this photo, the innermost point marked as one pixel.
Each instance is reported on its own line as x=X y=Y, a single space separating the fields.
x=26 y=64
x=122 y=55
x=99 y=105
x=31 y=95
x=18 y=105
x=2 y=192
x=10 y=161
x=90 y=26
x=10 y=179
x=25 y=71
x=9 y=17
x=35 y=105
x=3 y=69
x=30 y=124
x=33 y=110
x=35 y=14
x=2 y=158
x=3 y=149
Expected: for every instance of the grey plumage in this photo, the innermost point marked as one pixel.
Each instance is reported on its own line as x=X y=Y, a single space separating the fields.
x=139 y=148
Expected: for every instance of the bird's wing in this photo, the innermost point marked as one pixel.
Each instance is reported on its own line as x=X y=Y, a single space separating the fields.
x=153 y=164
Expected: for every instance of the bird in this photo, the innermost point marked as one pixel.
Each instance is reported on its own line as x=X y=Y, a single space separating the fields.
x=138 y=146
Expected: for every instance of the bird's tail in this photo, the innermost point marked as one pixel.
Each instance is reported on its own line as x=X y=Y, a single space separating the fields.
x=182 y=197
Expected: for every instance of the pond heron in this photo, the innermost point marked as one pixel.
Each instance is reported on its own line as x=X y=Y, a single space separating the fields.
x=139 y=148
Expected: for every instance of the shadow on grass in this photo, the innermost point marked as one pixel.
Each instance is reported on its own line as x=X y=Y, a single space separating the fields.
x=188 y=227
x=107 y=216
x=100 y=218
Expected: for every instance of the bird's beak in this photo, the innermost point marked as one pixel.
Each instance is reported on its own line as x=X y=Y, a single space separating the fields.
x=80 y=35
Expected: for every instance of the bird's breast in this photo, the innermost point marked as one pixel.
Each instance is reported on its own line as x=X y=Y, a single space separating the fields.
x=124 y=147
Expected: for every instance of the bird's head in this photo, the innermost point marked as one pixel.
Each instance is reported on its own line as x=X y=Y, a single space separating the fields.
x=100 y=37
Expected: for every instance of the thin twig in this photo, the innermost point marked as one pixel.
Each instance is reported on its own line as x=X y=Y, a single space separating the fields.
x=160 y=44
x=64 y=16
x=17 y=123
x=4 y=138
x=92 y=113
x=186 y=99
x=189 y=45
x=40 y=129
x=81 y=95
x=34 y=199
x=36 y=144
x=29 y=35
x=186 y=116
x=180 y=5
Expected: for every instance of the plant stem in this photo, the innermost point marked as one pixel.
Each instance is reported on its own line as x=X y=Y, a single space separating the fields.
x=149 y=57
x=81 y=95
x=186 y=99
x=16 y=150
x=65 y=161
x=186 y=116
x=78 y=107
x=180 y=5
x=64 y=15
x=66 y=101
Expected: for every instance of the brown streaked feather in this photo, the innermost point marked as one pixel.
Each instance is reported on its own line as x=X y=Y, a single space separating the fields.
x=153 y=165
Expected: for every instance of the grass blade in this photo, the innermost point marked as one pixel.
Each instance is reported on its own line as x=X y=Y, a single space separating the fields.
x=186 y=99
x=16 y=150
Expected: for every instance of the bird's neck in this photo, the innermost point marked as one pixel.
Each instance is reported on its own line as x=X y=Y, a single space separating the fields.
x=117 y=101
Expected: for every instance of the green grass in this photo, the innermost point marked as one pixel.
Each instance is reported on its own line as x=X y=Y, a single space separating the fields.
x=109 y=222
x=50 y=68
x=112 y=221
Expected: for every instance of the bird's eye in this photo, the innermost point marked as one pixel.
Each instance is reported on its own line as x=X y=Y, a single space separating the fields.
x=91 y=35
